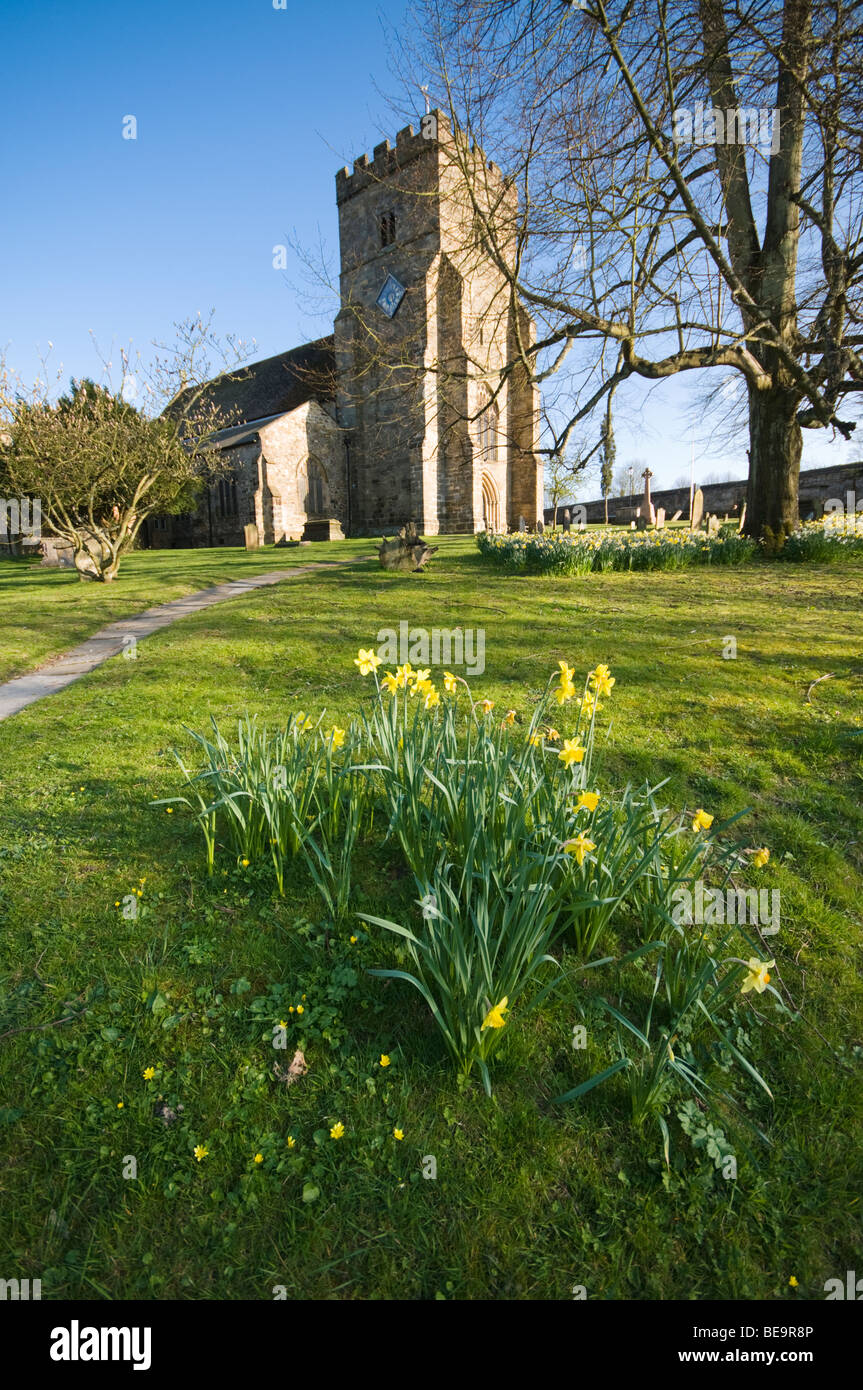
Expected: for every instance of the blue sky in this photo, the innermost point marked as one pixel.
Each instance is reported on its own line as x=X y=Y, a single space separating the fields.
x=244 y=112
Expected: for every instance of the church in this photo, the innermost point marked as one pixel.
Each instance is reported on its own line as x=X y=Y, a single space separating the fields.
x=420 y=406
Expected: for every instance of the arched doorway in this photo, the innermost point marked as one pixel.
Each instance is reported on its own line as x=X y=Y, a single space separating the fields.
x=490 y=504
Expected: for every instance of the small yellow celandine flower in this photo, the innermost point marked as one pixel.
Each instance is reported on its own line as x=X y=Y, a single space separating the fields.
x=291 y=1141
x=758 y=977
x=282 y=1023
x=391 y=682
x=120 y=1104
x=450 y=682
x=303 y=997
x=300 y=1009
x=200 y=1151
x=337 y=1130
x=580 y=846
x=336 y=737
x=760 y=858
x=148 y=1073
x=398 y=1133
x=495 y=1017
x=245 y=863
x=486 y=706
x=170 y=810
x=368 y=661
x=385 y=1061
x=117 y=904
x=588 y=800
x=571 y=752
x=701 y=821
x=291 y=1009
x=353 y=940
x=259 y=1158
x=793 y=1282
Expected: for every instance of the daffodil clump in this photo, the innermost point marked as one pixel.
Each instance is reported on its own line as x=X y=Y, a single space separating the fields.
x=581 y=552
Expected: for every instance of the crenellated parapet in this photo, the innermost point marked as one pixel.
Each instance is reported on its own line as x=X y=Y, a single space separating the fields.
x=435 y=132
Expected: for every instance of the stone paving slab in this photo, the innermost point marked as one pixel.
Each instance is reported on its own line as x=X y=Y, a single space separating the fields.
x=109 y=641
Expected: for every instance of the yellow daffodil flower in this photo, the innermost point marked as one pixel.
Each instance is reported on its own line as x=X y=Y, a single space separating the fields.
x=450 y=682
x=564 y=692
x=336 y=737
x=535 y=740
x=758 y=977
x=552 y=735
x=580 y=847
x=391 y=682
x=566 y=673
x=368 y=661
x=602 y=680
x=588 y=801
x=509 y=717
x=495 y=1017
x=404 y=673
x=571 y=752
x=760 y=858
x=701 y=821
x=432 y=698
x=486 y=706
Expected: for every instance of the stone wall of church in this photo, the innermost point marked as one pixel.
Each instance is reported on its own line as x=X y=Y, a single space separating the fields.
x=307 y=437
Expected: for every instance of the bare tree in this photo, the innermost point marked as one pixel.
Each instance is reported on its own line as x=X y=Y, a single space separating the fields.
x=690 y=178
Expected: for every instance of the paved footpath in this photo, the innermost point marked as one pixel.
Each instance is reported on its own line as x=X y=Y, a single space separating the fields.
x=61 y=671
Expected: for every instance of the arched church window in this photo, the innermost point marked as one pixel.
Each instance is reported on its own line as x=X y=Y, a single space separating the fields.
x=387 y=227
x=313 y=488
x=488 y=427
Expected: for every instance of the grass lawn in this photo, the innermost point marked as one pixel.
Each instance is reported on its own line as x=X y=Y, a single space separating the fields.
x=530 y=1198
x=43 y=612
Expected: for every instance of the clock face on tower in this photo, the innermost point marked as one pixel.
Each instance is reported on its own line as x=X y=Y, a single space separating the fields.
x=391 y=296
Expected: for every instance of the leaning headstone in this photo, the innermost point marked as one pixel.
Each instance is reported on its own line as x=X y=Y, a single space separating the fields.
x=697 y=509
x=253 y=540
x=567 y=520
x=641 y=523
x=677 y=516
x=522 y=524
x=660 y=518
x=57 y=554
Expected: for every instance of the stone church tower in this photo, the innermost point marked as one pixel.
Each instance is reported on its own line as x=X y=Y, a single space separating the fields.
x=434 y=432
x=406 y=413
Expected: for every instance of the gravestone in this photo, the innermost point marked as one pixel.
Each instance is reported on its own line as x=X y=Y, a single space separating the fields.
x=742 y=517
x=406 y=551
x=641 y=523
x=567 y=522
x=697 y=509
x=57 y=554
x=253 y=540
x=712 y=525
x=540 y=528
x=522 y=524
x=677 y=515
x=660 y=518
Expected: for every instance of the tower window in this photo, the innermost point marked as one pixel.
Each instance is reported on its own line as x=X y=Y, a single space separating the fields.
x=387 y=223
x=488 y=428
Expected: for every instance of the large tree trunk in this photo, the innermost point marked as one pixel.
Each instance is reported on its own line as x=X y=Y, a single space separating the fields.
x=775 y=446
